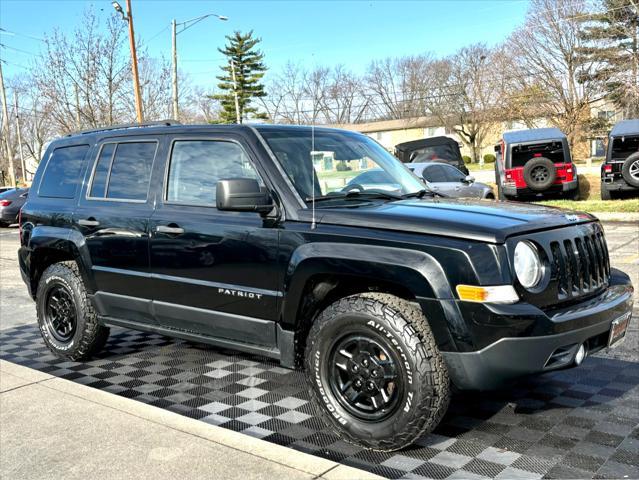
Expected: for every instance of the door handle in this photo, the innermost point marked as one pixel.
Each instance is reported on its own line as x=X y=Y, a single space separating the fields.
x=88 y=222
x=167 y=229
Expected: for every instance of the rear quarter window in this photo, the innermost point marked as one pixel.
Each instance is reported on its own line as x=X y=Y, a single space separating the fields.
x=62 y=174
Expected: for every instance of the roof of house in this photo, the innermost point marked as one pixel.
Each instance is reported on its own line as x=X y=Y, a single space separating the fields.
x=533 y=135
x=626 y=127
x=387 y=125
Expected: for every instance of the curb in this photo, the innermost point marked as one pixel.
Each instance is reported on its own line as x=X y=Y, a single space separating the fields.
x=616 y=217
x=304 y=462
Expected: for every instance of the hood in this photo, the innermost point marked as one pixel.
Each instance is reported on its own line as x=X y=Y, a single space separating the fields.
x=486 y=220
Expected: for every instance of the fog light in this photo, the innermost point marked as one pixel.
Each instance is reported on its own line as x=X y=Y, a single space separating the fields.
x=580 y=355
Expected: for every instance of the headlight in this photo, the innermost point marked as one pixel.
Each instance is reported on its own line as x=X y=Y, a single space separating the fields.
x=527 y=264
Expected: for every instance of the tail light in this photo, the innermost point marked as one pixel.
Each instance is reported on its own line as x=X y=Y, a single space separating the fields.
x=608 y=168
x=5 y=203
x=569 y=170
x=537 y=155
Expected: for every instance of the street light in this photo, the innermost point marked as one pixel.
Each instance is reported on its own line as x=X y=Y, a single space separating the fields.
x=128 y=17
x=185 y=25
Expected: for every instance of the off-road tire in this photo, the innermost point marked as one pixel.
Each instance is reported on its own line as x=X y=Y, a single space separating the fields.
x=425 y=397
x=533 y=183
x=606 y=194
x=89 y=337
x=625 y=170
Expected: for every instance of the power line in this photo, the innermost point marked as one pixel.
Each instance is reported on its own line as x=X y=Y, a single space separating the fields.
x=18 y=34
x=9 y=47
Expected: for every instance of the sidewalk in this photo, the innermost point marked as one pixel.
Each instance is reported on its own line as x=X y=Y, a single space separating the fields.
x=54 y=428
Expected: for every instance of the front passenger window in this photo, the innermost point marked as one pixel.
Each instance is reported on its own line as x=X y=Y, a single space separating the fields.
x=197 y=165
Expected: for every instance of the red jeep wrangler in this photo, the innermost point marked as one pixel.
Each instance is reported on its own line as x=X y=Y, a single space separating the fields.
x=535 y=163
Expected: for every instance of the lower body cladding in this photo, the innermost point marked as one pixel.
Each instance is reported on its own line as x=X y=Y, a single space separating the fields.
x=568 y=335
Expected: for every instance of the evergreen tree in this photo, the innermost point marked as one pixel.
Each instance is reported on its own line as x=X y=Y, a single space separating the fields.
x=242 y=75
x=611 y=41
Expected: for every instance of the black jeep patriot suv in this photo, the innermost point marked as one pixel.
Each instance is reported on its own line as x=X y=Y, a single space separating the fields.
x=246 y=237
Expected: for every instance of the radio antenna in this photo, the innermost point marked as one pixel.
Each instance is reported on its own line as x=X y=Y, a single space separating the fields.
x=314 y=177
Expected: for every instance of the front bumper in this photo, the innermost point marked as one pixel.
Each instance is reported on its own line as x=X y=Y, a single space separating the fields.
x=511 y=357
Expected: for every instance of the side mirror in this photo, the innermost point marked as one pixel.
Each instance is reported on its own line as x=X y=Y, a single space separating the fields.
x=469 y=179
x=242 y=195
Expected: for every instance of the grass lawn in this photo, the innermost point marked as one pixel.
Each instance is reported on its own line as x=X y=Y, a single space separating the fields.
x=473 y=167
x=629 y=205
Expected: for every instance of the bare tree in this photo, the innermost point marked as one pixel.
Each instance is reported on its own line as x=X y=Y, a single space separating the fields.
x=462 y=94
x=399 y=85
x=545 y=52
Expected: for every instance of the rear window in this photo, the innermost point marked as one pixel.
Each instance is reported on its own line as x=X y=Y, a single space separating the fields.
x=623 y=147
x=521 y=154
x=435 y=153
x=123 y=171
x=62 y=174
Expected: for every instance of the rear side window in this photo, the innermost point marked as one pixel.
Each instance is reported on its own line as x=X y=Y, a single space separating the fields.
x=62 y=174
x=123 y=171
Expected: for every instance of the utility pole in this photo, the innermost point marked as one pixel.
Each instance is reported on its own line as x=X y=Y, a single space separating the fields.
x=134 y=64
x=22 y=163
x=176 y=113
x=174 y=32
x=237 y=104
x=5 y=112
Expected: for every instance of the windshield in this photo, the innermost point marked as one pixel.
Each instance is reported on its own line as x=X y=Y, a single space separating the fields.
x=343 y=162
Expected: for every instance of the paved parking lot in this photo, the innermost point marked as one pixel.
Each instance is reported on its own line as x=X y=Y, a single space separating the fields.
x=578 y=423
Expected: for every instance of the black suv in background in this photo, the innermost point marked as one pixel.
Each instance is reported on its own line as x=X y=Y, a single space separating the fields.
x=434 y=149
x=535 y=163
x=620 y=171
x=242 y=237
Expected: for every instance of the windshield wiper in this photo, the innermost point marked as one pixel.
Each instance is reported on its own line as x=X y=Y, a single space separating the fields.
x=425 y=191
x=356 y=195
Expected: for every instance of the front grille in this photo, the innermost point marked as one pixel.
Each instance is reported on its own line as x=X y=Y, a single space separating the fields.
x=580 y=265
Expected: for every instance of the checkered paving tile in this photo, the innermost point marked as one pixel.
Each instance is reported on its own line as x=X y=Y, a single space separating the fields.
x=578 y=423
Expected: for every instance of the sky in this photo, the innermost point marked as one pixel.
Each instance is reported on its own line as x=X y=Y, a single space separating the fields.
x=307 y=32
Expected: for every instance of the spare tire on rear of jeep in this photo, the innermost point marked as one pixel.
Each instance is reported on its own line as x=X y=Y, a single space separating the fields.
x=630 y=170
x=539 y=174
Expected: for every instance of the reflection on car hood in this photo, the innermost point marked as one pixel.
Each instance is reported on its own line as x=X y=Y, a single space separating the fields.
x=481 y=220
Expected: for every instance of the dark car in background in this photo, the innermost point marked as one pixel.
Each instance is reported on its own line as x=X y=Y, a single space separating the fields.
x=434 y=149
x=446 y=179
x=620 y=170
x=535 y=163
x=11 y=202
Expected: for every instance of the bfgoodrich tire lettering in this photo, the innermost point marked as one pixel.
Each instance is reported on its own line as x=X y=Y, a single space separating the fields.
x=88 y=336
x=422 y=386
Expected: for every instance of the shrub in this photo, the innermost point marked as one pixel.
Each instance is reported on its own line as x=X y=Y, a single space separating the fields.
x=466 y=159
x=489 y=158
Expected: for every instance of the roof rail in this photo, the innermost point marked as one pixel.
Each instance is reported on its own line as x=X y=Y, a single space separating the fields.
x=160 y=123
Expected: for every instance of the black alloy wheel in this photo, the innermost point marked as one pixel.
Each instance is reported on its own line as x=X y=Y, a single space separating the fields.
x=67 y=320
x=60 y=313
x=539 y=174
x=365 y=377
